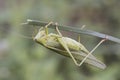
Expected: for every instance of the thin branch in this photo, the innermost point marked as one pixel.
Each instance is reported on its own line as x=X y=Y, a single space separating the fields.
x=72 y=29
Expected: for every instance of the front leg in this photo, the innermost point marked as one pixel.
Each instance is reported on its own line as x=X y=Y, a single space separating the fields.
x=46 y=27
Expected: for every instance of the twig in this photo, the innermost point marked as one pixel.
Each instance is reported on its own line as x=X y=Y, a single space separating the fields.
x=72 y=29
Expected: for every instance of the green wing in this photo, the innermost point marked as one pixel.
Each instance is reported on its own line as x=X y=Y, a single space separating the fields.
x=79 y=56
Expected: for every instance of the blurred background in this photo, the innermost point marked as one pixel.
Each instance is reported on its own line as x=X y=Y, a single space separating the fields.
x=23 y=59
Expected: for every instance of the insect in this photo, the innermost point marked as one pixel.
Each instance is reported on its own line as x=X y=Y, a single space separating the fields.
x=67 y=47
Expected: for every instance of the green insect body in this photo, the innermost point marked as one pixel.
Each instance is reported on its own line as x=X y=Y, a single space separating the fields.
x=66 y=46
